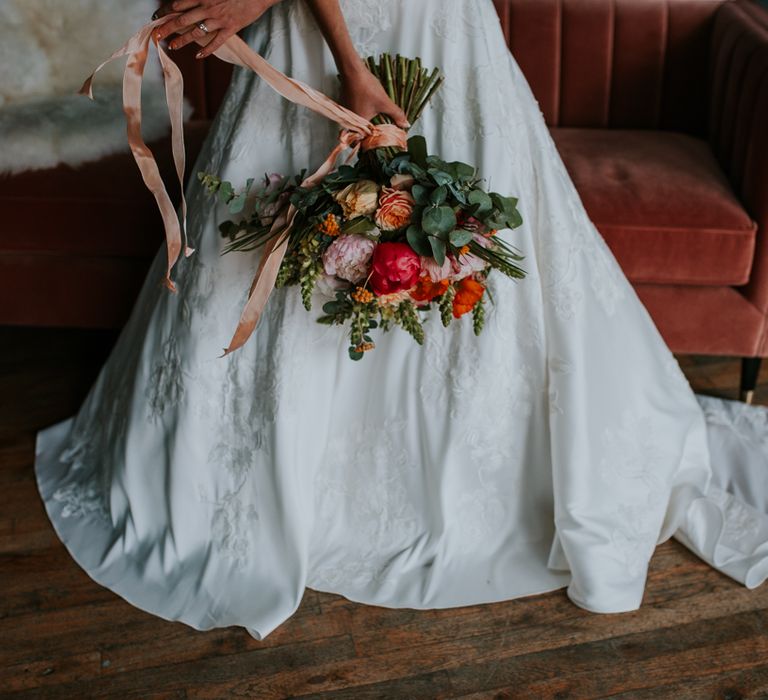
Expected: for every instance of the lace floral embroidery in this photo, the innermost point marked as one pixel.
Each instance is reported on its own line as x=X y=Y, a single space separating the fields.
x=363 y=480
x=165 y=386
x=633 y=458
x=232 y=524
x=748 y=423
x=80 y=500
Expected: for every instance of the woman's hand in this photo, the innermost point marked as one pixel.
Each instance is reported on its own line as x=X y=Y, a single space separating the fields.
x=364 y=94
x=222 y=18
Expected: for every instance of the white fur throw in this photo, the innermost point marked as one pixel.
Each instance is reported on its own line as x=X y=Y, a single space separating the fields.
x=47 y=49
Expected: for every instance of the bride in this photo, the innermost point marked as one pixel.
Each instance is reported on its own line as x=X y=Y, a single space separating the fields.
x=555 y=450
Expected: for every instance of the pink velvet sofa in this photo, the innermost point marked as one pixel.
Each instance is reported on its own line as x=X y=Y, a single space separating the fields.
x=659 y=109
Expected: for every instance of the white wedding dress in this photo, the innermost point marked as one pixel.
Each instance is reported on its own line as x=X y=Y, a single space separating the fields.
x=557 y=449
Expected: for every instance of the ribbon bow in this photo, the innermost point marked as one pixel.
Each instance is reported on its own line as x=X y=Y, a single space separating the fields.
x=356 y=133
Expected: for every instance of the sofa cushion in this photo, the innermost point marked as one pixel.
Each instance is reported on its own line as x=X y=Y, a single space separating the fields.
x=100 y=208
x=662 y=204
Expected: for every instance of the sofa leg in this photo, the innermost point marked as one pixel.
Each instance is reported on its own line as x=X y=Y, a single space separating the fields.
x=750 y=368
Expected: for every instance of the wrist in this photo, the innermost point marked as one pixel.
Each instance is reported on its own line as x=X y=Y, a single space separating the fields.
x=351 y=67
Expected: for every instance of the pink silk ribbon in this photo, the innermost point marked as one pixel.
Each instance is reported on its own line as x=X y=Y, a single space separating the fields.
x=357 y=133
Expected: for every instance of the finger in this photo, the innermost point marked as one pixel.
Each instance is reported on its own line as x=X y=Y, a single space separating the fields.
x=400 y=119
x=191 y=34
x=178 y=6
x=397 y=115
x=176 y=24
x=218 y=40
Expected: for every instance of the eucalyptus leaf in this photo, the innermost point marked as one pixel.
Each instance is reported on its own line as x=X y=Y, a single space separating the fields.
x=416 y=170
x=460 y=237
x=504 y=204
x=482 y=201
x=334 y=308
x=237 y=203
x=440 y=176
x=400 y=162
x=439 y=195
x=463 y=171
x=226 y=192
x=420 y=194
x=418 y=240
x=437 y=220
x=417 y=147
x=516 y=220
x=361 y=224
x=438 y=249
x=458 y=194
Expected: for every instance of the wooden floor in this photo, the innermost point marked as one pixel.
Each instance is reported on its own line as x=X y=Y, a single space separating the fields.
x=698 y=634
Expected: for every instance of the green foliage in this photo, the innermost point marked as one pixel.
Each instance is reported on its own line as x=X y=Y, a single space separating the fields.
x=407 y=317
x=460 y=237
x=438 y=220
x=360 y=225
x=418 y=240
x=445 y=304
x=478 y=317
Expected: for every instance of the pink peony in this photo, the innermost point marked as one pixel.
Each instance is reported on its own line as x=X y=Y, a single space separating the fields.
x=395 y=268
x=468 y=264
x=271 y=184
x=436 y=273
x=349 y=257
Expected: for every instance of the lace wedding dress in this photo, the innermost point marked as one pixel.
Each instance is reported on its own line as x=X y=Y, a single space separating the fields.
x=557 y=449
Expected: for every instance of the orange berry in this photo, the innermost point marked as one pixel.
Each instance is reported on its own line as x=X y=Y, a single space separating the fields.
x=330 y=226
x=362 y=295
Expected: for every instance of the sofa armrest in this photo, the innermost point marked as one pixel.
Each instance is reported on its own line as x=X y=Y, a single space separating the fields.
x=738 y=122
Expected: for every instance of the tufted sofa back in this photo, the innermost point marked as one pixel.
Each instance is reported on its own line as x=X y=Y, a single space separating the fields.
x=618 y=64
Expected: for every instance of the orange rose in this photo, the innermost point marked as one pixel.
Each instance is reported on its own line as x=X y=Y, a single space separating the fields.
x=468 y=293
x=427 y=290
x=395 y=209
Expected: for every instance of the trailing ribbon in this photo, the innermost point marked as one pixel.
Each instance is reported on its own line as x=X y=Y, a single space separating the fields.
x=357 y=133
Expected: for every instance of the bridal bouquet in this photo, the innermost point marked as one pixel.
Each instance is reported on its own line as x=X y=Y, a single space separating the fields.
x=392 y=236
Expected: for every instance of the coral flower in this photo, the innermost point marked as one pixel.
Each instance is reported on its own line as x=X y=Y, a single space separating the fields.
x=468 y=293
x=427 y=290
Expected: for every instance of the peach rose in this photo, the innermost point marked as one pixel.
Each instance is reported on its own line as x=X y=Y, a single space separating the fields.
x=358 y=199
x=395 y=209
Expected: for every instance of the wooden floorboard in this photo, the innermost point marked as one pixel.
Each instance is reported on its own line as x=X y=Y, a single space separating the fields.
x=698 y=634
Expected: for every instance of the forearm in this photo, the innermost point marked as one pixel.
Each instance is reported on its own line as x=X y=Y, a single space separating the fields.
x=330 y=20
